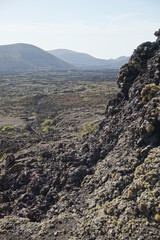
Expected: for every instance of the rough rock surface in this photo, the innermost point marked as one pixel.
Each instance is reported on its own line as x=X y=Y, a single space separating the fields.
x=105 y=187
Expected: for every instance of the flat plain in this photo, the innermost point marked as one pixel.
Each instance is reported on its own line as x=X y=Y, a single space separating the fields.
x=57 y=106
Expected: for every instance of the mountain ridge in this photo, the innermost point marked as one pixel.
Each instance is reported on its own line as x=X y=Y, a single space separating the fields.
x=86 y=60
x=25 y=57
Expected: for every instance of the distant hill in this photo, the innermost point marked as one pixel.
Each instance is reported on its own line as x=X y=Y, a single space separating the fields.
x=25 y=57
x=85 y=60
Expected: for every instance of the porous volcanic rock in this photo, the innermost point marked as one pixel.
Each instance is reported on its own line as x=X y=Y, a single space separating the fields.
x=126 y=182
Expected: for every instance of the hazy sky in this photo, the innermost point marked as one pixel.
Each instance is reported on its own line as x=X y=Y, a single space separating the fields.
x=102 y=28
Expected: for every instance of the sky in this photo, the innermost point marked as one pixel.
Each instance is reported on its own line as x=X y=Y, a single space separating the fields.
x=103 y=28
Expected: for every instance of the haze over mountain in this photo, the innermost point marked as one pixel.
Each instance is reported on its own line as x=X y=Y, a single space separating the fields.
x=79 y=59
x=25 y=57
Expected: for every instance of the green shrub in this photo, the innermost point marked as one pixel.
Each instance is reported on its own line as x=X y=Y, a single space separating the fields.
x=47 y=122
x=86 y=99
x=157 y=218
x=7 y=128
x=88 y=128
x=47 y=129
x=149 y=91
x=3 y=156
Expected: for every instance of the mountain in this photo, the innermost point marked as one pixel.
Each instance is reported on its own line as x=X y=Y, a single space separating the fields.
x=25 y=57
x=86 y=60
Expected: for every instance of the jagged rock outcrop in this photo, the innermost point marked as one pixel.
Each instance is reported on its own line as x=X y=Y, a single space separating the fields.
x=126 y=182
x=107 y=186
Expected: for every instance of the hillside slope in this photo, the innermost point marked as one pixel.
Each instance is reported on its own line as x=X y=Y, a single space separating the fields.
x=125 y=202
x=107 y=186
x=25 y=57
x=86 y=60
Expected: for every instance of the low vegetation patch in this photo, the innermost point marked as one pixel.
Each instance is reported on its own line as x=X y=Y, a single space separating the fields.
x=149 y=91
x=157 y=218
x=7 y=128
x=86 y=99
x=47 y=122
x=88 y=128
x=3 y=156
x=47 y=129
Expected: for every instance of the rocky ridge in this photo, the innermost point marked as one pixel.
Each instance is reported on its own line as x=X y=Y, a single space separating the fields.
x=105 y=187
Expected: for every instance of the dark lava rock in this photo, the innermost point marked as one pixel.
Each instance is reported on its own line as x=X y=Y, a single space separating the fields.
x=85 y=148
x=157 y=34
x=46 y=154
x=78 y=173
x=10 y=161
